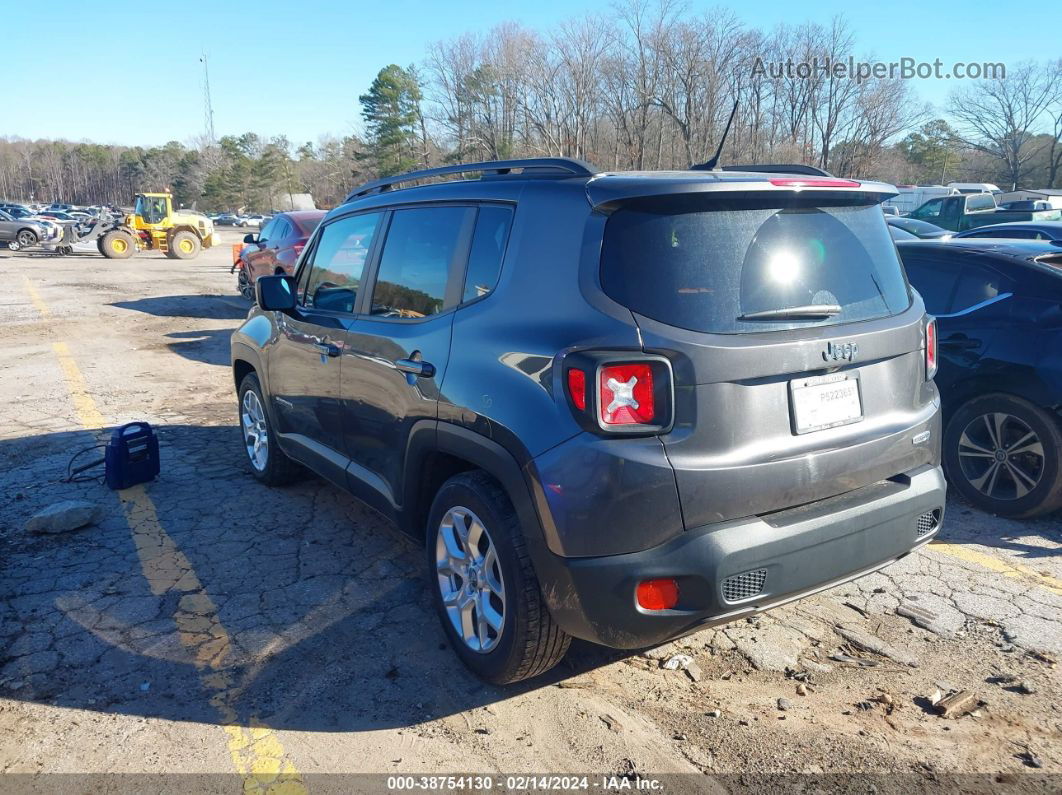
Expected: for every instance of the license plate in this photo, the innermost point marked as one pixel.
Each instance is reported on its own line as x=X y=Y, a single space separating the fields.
x=825 y=402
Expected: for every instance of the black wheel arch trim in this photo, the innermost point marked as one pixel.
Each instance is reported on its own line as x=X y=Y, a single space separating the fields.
x=523 y=490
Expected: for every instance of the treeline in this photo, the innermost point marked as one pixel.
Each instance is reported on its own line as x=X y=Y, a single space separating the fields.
x=647 y=86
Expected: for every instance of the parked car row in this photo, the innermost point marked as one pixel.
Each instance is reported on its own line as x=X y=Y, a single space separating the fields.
x=236 y=219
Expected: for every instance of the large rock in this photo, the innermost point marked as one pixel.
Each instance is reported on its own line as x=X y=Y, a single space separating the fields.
x=62 y=517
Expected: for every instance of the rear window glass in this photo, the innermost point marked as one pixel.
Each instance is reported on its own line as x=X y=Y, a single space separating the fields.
x=708 y=267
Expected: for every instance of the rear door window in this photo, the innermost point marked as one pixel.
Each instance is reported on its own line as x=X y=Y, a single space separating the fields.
x=976 y=285
x=934 y=278
x=415 y=264
x=706 y=266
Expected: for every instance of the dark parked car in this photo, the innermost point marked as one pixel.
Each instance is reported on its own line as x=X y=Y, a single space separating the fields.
x=900 y=234
x=920 y=229
x=998 y=307
x=20 y=232
x=227 y=219
x=1042 y=230
x=276 y=248
x=619 y=407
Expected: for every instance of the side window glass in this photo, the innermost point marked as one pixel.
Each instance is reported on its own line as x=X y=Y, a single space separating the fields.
x=415 y=264
x=281 y=230
x=976 y=285
x=339 y=262
x=488 y=248
x=267 y=230
x=931 y=209
x=934 y=282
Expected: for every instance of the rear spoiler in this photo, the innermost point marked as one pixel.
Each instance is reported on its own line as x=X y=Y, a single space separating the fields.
x=780 y=168
x=606 y=191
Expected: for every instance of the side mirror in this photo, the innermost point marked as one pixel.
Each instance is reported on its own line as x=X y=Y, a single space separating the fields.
x=275 y=293
x=249 y=239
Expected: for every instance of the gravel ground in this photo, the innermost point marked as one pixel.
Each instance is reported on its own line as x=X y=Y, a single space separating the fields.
x=209 y=625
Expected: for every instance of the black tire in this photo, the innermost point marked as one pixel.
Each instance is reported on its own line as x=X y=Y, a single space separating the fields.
x=278 y=469
x=1027 y=479
x=244 y=287
x=117 y=244
x=26 y=238
x=185 y=245
x=530 y=642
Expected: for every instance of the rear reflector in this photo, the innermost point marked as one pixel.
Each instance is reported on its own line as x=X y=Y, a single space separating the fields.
x=931 y=349
x=814 y=183
x=658 y=594
x=577 y=388
x=625 y=394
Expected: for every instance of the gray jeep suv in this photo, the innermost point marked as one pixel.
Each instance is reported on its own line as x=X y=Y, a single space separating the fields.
x=615 y=406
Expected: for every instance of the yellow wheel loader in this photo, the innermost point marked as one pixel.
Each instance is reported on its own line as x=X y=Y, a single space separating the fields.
x=155 y=225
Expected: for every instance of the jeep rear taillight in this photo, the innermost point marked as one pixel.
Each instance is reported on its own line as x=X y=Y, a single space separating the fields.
x=931 y=349
x=620 y=393
x=577 y=388
x=625 y=394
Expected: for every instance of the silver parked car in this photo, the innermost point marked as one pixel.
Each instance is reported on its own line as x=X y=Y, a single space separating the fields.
x=20 y=233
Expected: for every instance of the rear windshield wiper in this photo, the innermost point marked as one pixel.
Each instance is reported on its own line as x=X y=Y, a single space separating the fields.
x=807 y=312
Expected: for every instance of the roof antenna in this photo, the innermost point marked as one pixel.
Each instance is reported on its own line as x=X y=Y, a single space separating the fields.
x=710 y=164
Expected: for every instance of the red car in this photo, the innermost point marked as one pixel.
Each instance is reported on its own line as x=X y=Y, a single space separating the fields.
x=275 y=248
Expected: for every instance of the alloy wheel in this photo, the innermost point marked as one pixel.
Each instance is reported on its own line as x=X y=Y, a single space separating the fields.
x=470 y=579
x=255 y=432
x=1001 y=456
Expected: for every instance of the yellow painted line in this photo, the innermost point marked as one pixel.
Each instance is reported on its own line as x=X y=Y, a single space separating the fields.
x=255 y=750
x=84 y=405
x=992 y=563
x=35 y=298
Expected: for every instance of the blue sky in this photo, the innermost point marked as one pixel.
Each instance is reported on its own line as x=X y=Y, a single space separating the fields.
x=297 y=68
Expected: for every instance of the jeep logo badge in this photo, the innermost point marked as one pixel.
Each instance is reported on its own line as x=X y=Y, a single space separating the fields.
x=836 y=351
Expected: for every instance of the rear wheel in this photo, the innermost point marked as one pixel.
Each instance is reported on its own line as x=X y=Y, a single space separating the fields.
x=486 y=592
x=117 y=244
x=1004 y=454
x=184 y=245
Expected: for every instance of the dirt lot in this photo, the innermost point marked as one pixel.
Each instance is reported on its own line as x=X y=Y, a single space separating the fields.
x=209 y=625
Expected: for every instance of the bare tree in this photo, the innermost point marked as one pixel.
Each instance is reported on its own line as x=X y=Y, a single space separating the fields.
x=997 y=116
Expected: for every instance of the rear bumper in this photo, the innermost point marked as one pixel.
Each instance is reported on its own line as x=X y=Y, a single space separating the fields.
x=796 y=553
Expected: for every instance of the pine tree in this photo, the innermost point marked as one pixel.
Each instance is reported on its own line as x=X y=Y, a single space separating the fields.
x=392 y=114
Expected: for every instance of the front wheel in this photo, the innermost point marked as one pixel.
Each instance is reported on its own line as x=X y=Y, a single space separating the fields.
x=268 y=462
x=485 y=589
x=25 y=238
x=118 y=244
x=1004 y=454
x=185 y=245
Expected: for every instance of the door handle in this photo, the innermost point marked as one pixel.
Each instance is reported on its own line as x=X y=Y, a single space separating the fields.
x=327 y=349
x=964 y=343
x=420 y=369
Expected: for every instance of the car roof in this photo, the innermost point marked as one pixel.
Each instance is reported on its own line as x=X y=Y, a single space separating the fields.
x=598 y=188
x=998 y=245
x=1052 y=225
x=306 y=220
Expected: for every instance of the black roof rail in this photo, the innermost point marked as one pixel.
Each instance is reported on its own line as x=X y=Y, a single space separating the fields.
x=781 y=168
x=535 y=165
